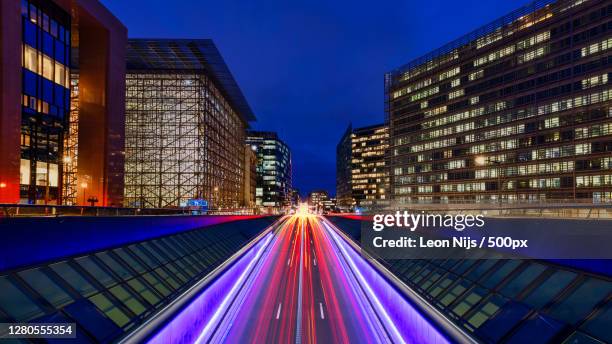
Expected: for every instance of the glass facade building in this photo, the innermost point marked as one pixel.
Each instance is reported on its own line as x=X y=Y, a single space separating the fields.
x=274 y=184
x=518 y=110
x=45 y=99
x=362 y=179
x=185 y=126
x=42 y=119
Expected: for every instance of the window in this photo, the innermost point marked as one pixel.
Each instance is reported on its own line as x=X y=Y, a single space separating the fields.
x=40 y=282
x=522 y=280
x=576 y=306
x=455 y=94
x=76 y=280
x=600 y=324
x=60 y=75
x=545 y=292
x=24 y=172
x=476 y=75
x=29 y=58
x=48 y=67
x=14 y=302
x=596 y=47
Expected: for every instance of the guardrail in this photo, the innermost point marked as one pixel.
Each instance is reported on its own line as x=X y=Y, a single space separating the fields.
x=13 y=210
x=425 y=308
x=164 y=316
x=584 y=210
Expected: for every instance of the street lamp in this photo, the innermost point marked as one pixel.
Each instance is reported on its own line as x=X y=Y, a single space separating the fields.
x=481 y=161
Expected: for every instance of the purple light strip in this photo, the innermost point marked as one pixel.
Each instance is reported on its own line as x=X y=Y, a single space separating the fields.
x=202 y=315
x=357 y=297
x=403 y=322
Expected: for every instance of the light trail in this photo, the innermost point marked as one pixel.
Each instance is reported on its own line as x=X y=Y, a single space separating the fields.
x=325 y=292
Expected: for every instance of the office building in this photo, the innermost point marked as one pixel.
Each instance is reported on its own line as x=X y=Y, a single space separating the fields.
x=250 y=177
x=295 y=197
x=185 y=126
x=316 y=200
x=62 y=65
x=344 y=193
x=362 y=179
x=274 y=185
x=329 y=205
x=518 y=110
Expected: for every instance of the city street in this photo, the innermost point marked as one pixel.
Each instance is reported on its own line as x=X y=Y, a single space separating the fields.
x=302 y=292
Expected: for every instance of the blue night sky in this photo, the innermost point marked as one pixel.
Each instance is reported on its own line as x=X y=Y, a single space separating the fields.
x=308 y=68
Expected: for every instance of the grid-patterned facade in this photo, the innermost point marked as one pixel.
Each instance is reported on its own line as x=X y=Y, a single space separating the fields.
x=45 y=100
x=516 y=111
x=71 y=147
x=274 y=174
x=362 y=178
x=369 y=176
x=184 y=133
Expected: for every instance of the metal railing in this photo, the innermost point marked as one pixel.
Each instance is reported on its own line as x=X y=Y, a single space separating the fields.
x=14 y=210
x=545 y=208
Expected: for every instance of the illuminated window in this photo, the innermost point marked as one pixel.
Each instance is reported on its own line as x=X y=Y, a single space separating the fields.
x=48 y=67
x=24 y=172
x=29 y=58
x=476 y=75
x=60 y=75
x=41 y=173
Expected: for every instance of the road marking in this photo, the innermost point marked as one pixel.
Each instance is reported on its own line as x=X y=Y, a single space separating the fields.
x=288 y=261
x=314 y=260
x=321 y=309
x=280 y=305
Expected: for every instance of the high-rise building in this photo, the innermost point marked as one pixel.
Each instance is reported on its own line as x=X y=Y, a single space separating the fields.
x=344 y=193
x=273 y=170
x=250 y=177
x=186 y=120
x=50 y=48
x=518 y=110
x=362 y=179
x=295 y=197
x=329 y=205
x=316 y=200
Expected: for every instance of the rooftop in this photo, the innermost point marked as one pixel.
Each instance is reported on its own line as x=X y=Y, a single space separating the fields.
x=475 y=34
x=188 y=55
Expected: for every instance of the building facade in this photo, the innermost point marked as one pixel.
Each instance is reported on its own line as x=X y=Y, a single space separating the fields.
x=362 y=179
x=47 y=48
x=344 y=193
x=316 y=200
x=274 y=173
x=186 y=120
x=250 y=177
x=518 y=110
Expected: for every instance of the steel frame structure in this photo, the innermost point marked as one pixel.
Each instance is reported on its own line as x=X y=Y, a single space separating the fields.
x=183 y=141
